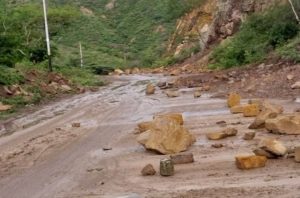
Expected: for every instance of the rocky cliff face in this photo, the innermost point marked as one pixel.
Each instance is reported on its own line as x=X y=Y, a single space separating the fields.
x=213 y=21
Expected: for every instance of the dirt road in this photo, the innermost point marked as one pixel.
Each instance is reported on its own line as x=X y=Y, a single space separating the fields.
x=47 y=157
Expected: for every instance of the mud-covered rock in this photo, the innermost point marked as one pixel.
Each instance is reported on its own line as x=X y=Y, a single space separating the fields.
x=233 y=100
x=284 y=124
x=150 y=89
x=250 y=162
x=166 y=137
x=148 y=170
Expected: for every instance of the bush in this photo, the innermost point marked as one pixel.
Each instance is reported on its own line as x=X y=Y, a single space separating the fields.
x=9 y=76
x=259 y=35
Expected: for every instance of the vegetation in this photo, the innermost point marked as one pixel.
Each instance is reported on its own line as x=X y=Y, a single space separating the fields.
x=258 y=36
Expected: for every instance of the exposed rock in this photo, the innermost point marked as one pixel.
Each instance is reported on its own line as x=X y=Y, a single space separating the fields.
x=290 y=77
x=289 y=125
x=118 y=72
x=135 y=70
x=206 y=88
x=182 y=158
x=5 y=107
x=296 y=85
x=251 y=110
x=65 y=88
x=217 y=145
x=262 y=152
x=237 y=109
x=162 y=84
x=197 y=94
x=166 y=137
x=249 y=136
x=272 y=107
x=250 y=162
x=150 y=89
x=144 y=126
x=172 y=94
x=148 y=170
x=273 y=146
x=127 y=71
x=259 y=102
x=233 y=100
x=260 y=120
x=223 y=134
x=166 y=167
x=297 y=154
x=76 y=125
x=177 y=117
x=222 y=123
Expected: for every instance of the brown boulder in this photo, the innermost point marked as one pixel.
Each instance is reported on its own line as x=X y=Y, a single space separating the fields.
x=272 y=107
x=172 y=94
x=251 y=110
x=182 y=158
x=144 y=126
x=249 y=136
x=237 y=109
x=274 y=147
x=222 y=134
x=233 y=100
x=262 y=152
x=166 y=137
x=289 y=125
x=260 y=120
x=250 y=162
x=177 y=117
x=197 y=94
x=148 y=170
x=150 y=89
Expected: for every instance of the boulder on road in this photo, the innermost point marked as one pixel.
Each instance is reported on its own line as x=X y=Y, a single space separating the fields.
x=172 y=94
x=150 y=89
x=166 y=137
x=251 y=110
x=222 y=134
x=177 y=117
x=197 y=94
x=237 y=109
x=284 y=124
x=249 y=136
x=250 y=162
x=233 y=100
x=260 y=120
x=182 y=158
x=148 y=170
x=274 y=147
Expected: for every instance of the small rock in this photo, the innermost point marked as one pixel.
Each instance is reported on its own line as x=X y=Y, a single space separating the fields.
x=197 y=94
x=296 y=85
x=233 y=100
x=273 y=146
x=297 y=154
x=4 y=107
x=166 y=167
x=65 y=88
x=175 y=72
x=162 y=84
x=260 y=120
x=262 y=152
x=148 y=170
x=118 y=72
x=251 y=110
x=76 y=125
x=217 y=145
x=222 y=123
x=172 y=94
x=290 y=77
x=106 y=149
x=206 y=88
x=182 y=158
x=150 y=89
x=250 y=162
x=249 y=136
x=223 y=134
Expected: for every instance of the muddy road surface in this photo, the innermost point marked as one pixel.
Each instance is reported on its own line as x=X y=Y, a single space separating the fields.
x=44 y=156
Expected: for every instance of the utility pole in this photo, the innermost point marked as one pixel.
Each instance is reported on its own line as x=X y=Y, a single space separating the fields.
x=47 y=37
x=294 y=10
x=81 y=56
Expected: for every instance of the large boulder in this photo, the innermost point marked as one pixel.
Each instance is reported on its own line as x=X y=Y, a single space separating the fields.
x=166 y=136
x=274 y=147
x=177 y=117
x=260 y=120
x=150 y=89
x=251 y=110
x=284 y=124
x=233 y=100
x=250 y=162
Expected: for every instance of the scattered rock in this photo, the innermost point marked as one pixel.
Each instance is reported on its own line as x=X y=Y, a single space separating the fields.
x=222 y=123
x=262 y=152
x=4 y=107
x=148 y=170
x=106 y=149
x=150 y=89
x=250 y=162
x=206 y=88
x=177 y=117
x=172 y=94
x=217 y=145
x=284 y=124
x=297 y=154
x=260 y=120
x=223 y=134
x=127 y=71
x=273 y=146
x=249 y=136
x=182 y=158
x=237 y=109
x=197 y=94
x=272 y=107
x=175 y=72
x=135 y=71
x=251 y=110
x=166 y=167
x=166 y=137
x=76 y=125
x=118 y=72
x=296 y=85
x=162 y=84
x=65 y=88
x=259 y=102
x=233 y=100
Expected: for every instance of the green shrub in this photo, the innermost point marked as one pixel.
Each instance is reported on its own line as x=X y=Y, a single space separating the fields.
x=10 y=76
x=259 y=35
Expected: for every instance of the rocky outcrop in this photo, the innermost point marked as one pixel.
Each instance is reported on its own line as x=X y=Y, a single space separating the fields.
x=213 y=21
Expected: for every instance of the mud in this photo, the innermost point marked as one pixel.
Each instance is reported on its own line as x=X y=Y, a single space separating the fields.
x=50 y=158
